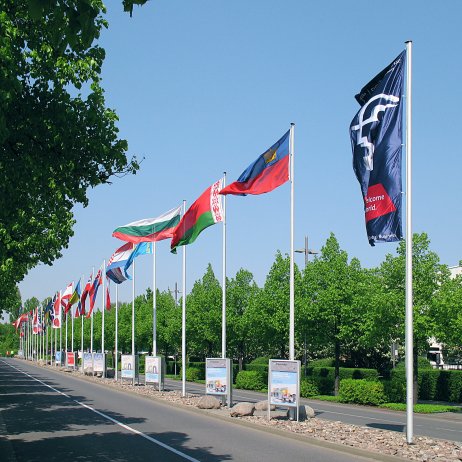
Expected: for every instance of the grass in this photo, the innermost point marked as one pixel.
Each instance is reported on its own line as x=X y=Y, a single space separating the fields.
x=335 y=399
x=422 y=408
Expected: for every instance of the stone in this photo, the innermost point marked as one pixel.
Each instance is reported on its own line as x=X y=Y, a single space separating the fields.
x=304 y=413
x=208 y=402
x=263 y=406
x=242 y=409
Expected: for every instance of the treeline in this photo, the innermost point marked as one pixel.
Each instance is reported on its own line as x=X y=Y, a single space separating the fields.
x=342 y=310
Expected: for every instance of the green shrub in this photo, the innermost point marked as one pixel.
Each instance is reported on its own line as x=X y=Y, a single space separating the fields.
x=193 y=374
x=361 y=392
x=250 y=380
x=260 y=360
x=308 y=388
x=325 y=362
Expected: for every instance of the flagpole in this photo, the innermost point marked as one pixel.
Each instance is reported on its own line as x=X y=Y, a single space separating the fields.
x=116 y=331
x=183 y=320
x=409 y=295
x=72 y=322
x=104 y=308
x=82 y=316
x=91 y=316
x=223 y=285
x=292 y=289
x=65 y=314
x=133 y=318
x=154 y=301
x=60 y=329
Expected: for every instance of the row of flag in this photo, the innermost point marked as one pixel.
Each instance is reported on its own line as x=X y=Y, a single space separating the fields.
x=376 y=139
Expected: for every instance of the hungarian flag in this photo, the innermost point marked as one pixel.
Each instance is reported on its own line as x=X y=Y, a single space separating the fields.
x=206 y=211
x=150 y=229
x=268 y=172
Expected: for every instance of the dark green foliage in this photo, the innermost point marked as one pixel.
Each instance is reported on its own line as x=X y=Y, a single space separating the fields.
x=325 y=362
x=324 y=377
x=250 y=380
x=194 y=373
x=308 y=388
x=361 y=392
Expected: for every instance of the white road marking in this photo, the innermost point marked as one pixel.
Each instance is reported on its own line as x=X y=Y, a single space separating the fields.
x=120 y=424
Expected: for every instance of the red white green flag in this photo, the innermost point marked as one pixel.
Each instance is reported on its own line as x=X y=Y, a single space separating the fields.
x=206 y=211
x=150 y=229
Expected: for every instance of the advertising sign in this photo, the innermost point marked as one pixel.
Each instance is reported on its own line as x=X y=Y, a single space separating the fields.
x=87 y=363
x=218 y=377
x=99 y=363
x=70 y=359
x=283 y=383
x=152 y=369
x=129 y=367
x=58 y=357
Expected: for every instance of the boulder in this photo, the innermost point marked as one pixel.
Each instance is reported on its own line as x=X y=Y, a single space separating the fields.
x=208 y=402
x=242 y=409
x=263 y=406
x=304 y=413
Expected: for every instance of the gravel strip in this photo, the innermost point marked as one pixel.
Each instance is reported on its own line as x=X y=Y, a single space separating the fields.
x=369 y=439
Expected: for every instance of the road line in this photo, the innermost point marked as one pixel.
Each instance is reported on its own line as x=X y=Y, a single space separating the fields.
x=120 y=424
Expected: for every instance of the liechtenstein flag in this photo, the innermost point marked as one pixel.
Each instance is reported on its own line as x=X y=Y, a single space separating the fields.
x=268 y=172
x=376 y=140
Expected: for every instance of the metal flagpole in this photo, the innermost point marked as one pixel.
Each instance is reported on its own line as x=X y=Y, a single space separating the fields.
x=104 y=308
x=183 y=320
x=409 y=297
x=65 y=314
x=46 y=344
x=292 y=290
x=91 y=316
x=154 y=302
x=60 y=328
x=223 y=301
x=116 y=331
x=81 y=337
x=72 y=322
x=133 y=318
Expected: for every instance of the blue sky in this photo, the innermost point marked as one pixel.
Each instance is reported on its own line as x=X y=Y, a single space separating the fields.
x=205 y=87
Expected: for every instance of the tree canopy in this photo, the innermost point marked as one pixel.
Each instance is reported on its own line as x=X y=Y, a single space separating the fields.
x=57 y=137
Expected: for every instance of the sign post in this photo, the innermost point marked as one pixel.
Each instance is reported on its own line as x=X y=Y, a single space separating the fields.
x=218 y=378
x=284 y=384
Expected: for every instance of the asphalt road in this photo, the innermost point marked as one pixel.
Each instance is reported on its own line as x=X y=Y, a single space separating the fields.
x=47 y=415
x=443 y=425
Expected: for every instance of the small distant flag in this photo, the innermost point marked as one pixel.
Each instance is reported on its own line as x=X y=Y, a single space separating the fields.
x=20 y=320
x=65 y=297
x=57 y=311
x=376 y=140
x=94 y=291
x=204 y=212
x=268 y=172
x=85 y=293
x=75 y=299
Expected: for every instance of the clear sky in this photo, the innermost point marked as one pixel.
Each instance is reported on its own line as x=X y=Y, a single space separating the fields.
x=205 y=87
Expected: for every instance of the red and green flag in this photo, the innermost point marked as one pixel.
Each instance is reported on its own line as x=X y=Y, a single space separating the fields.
x=206 y=211
x=150 y=229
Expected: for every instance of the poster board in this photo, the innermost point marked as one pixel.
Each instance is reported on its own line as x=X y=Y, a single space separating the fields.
x=59 y=358
x=129 y=367
x=218 y=378
x=87 y=363
x=99 y=363
x=70 y=359
x=284 y=383
x=154 y=371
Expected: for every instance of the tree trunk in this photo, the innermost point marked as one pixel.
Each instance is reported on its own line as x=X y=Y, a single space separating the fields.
x=337 y=366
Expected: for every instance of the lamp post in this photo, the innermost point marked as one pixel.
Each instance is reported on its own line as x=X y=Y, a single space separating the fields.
x=306 y=251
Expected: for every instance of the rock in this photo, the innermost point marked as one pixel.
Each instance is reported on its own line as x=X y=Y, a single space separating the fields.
x=242 y=409
x=277 y=414
x=309 y=412
x=263 y=406
x=304 y=413
x=208 y=402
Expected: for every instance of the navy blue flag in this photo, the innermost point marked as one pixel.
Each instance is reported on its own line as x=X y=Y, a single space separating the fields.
x=376 y=139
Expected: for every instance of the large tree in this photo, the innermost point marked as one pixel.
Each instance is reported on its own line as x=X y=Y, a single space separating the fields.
x=57 y=137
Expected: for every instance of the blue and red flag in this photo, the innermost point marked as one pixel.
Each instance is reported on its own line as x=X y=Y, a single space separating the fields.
x=93 y=291
x=85 y=292
x=268 y=172
x=376 y=140
x=115 y=268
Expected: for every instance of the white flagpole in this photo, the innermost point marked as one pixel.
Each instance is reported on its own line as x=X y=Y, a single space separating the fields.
x=66 y=330
x=133 y=316
x=223 y=285
x=82 y=316
x=91 y=316
x=116 y=331
x=292 y=289
x=154 y=302
x=46 y=345
x=104 y=307
x=60 y=328
x=183 y=320
x=72 y=321
x=409 y=296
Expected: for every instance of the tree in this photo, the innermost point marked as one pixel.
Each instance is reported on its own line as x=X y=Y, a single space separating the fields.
x=57 y=137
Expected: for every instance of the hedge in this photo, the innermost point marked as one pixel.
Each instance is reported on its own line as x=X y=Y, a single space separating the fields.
x=308 y=388
x=324 y=377
x=361 y=392
x=250 y=380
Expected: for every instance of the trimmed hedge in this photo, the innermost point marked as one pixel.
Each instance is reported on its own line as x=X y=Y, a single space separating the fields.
x=324 y=377
x=361 y=392
x=325 y=362
x=250 y=380
x=194 y=373
x=434 y=385
x=308 y=388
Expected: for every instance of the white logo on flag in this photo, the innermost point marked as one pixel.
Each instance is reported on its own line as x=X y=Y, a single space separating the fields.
x=363 y=138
